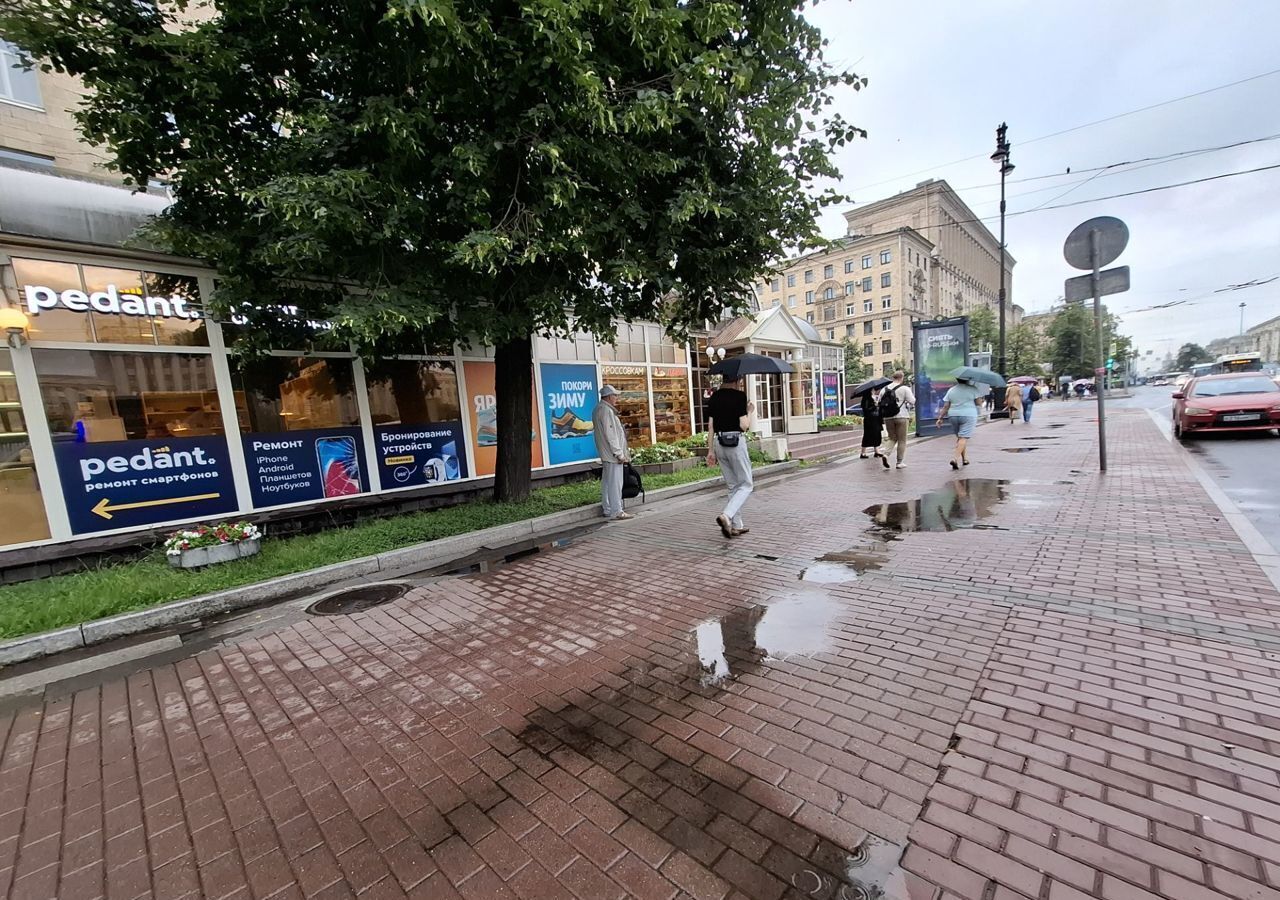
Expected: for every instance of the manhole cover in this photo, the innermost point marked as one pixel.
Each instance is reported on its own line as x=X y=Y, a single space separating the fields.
x=355 y=600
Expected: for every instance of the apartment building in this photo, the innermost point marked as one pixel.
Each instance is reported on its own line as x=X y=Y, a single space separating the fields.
x=916 y=256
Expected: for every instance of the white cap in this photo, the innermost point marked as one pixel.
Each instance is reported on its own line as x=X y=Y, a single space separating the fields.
x=609 y=391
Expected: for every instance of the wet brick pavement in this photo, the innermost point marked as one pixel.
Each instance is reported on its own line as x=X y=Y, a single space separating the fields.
x=1041 y=694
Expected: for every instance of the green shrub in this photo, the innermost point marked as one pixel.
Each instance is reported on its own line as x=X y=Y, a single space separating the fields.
x=839 y=421
x=693 y=441
x=659 y=453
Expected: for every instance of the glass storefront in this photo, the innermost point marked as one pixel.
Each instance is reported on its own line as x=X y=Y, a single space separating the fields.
x=148 y=426
x=634 y=407
x=21 y=503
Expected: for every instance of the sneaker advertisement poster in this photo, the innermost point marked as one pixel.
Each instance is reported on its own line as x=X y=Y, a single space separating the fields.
x=482 y=410
x=569 y=395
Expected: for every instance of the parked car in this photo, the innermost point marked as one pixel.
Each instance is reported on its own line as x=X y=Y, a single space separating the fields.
x=1217 y=403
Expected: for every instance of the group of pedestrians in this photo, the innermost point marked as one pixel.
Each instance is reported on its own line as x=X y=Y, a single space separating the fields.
x=887 y=409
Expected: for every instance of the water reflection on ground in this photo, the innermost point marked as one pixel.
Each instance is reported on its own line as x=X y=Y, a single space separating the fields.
x=958 y=504
x=798 y=624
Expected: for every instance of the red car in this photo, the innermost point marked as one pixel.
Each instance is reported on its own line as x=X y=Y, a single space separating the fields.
x=1234 y=402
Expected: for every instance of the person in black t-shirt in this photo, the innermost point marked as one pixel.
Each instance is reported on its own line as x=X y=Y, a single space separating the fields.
x=728 y=407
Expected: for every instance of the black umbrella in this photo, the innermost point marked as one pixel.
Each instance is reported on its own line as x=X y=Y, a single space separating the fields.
x=870 y=386
x=735 y=367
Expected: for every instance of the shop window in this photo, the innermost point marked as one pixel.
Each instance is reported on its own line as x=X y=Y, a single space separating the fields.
x=92 y=396
x=629 y=346
x=300 y=430
x=86 y=304
x=672 y=417
x=21 y=503
x=633 y=404
x=417 y=422
x=803 y=401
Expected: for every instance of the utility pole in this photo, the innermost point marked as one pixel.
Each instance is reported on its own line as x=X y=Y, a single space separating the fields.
x=1242 y=306
x=1001 y=158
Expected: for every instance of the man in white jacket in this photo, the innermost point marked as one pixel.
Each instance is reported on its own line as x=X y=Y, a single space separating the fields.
x=900 y=423
x=611 y=445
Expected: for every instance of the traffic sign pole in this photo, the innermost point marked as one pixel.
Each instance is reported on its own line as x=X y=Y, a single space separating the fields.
x=1100 y=383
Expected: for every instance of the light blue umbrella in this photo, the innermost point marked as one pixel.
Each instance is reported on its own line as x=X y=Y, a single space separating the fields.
x=982 y=376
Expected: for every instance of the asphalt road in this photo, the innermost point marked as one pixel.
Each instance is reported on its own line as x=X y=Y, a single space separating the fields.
x=1243 y=465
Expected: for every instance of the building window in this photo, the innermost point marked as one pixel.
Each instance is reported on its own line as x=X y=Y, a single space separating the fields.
x=868 y=349
x=886 y=279
x=886 y=346
x=829 y=294
x=808 y=317
x=866 y=261
x=850 y=330
x=848 y=266
x=26 y=159
x=775 y=284
x=17 y=85
x=886 y=369
x=808 y=298
x=850 y=309
x=868 y=327
x=886 y=257
x=21 y=500
x=868 y=306
x=850 y=287
x=828 y=271
x=791 y=281
x=808 y=276
x=886 y=303
x=886 y=324
x=866 y=285
x=791 y=300
x=831 y=334
x=828 y=313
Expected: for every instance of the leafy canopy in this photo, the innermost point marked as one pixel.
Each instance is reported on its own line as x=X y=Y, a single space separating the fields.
x=432 y=170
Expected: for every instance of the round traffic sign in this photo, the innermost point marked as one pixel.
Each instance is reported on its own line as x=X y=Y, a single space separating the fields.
x=1113 y=236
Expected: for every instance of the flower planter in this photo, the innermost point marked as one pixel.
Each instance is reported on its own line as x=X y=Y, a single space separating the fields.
x=666 y=468
x=208 y=556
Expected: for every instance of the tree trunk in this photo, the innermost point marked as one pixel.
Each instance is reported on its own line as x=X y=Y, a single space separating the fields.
x=513 y=386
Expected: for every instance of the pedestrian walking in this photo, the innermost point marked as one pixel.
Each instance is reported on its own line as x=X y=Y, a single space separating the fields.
x=1080 y=391
x=960 y=409
x=1029 y=398
x=731 y=415
x=1013 y=401
x=899 y=423
x=611 y=445
x=873 y=419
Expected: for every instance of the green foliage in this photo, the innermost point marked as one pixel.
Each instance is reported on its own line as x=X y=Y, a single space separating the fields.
x=1023 y=351
x=1072 y=347
x=1190 y=355
x=984 y=329
x=839 y=421
x=757 y=457
x=693 y=441
x=855 y=370
x=419 y=172
x=659 y=453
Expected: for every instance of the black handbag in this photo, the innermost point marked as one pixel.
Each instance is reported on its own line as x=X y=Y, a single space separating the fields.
x=728 y=438
x=632 y=485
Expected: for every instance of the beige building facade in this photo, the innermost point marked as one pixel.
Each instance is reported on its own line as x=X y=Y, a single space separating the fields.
x=37 y=129
x=916 y=256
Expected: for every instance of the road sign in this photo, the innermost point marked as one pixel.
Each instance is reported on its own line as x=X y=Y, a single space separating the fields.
x=1110 y=281
x=1113 y=236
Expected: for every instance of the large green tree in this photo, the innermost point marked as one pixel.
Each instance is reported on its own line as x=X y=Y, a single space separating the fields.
x=1190 y=355
x=984 y=329
x=425 y=171
x=1072 y=347
x=1023 y=350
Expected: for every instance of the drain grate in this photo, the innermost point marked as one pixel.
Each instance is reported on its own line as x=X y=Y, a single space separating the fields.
x=355 y=600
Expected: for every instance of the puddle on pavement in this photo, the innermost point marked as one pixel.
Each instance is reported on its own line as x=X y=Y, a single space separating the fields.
x=959 y=504
x=796 y=625
x=1018 y=449
x=844 y=566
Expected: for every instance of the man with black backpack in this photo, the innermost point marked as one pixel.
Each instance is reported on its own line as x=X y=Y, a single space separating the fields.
x=897 y=406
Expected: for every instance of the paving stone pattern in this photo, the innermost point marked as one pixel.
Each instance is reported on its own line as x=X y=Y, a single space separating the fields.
x=1078 y=698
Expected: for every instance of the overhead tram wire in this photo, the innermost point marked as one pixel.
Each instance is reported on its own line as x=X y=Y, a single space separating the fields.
x=1045 y=137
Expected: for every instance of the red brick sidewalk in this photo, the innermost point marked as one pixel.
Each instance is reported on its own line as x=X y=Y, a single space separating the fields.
x=1054 y=704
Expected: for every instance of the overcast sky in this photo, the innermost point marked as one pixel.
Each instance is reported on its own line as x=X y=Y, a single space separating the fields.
x=944 y=74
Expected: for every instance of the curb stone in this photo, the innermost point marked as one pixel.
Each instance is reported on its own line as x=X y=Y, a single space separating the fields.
x=428 y=554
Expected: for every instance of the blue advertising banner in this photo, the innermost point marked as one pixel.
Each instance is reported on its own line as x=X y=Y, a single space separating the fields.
x=569 y=395
x=418 y=455
x=297 y=466
x=124 y=484
x=940 y=347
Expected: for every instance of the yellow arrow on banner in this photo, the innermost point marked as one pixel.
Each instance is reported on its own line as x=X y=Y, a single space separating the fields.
x=105 y=507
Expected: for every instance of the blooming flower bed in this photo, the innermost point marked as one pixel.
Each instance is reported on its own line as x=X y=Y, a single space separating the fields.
x=208 y=544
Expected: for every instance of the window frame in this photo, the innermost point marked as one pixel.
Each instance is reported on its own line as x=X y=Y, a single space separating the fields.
x=8 y=50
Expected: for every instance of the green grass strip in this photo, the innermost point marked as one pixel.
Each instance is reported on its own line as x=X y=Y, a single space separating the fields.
x=63 y=600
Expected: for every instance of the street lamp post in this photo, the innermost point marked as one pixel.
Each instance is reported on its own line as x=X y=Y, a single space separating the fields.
x=1242 y=306
x=1001 y=158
